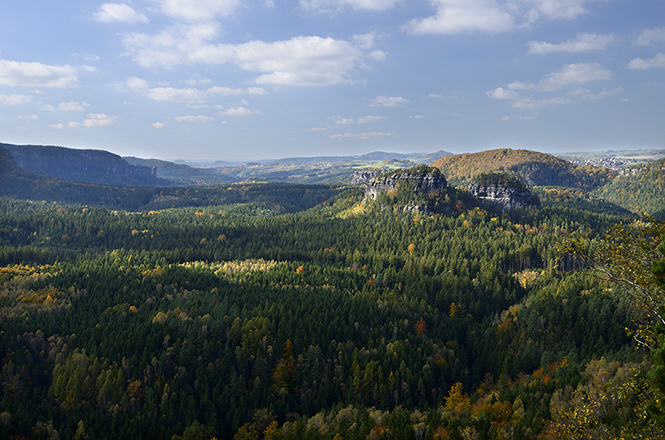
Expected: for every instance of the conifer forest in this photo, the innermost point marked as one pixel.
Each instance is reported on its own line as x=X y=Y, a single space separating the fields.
x=298 y=311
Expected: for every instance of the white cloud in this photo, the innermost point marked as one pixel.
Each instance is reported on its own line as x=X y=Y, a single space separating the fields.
x=34 y=74
x=229 y=91
x=463 y=16
x=369 y=119
x=565 y=80
x=72 y=106
x=170 y=47
x=119 y=12
x=492 y=16
x=14 y=99
x=649 y=63
x=239 y=111
x=345 y=121
x=649 y=36
x=516 y=85
x=362 y=120
x=187 y=95
x=373 y=134
x=192 y=118
x=388 y=101
x=302 y=60
x=136 y=84
x=501 y=93
x=582 y=43
x=337 y=5
x=577 y=73
x=171 y=94
x=198 y=10
x=158 y=125
x=92 y=120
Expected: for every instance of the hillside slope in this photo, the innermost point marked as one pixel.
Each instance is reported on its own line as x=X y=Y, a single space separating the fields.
x=533 y=167
x=183 y=174
x=640 y=188
x=84 y=166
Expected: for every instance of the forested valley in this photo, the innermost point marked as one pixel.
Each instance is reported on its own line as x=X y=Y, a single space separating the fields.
x=300 y=312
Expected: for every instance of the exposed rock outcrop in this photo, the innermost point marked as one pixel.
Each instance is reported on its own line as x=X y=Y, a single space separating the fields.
x=502 y=191
x=364 y=177
x=422 y=179
x=85 y=166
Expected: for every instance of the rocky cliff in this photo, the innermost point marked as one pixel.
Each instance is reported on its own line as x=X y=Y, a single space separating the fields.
x=502 y=191
x=85 y=166
x=422 y=179
x=364 y=177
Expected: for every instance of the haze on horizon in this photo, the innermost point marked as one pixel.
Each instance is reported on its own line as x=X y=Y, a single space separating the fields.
x=230 y=80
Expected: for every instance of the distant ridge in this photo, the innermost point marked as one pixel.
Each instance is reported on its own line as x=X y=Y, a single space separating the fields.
x=83 y=166
x=178 y=172
x=533 y=167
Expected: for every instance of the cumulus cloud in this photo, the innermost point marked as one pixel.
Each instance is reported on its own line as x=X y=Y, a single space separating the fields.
x=337 y=5
x=388 y=101
x=650 y=36
x=463 y=16
x=362 y=120
x=170 y=94
x=582 y=43
x=158 y=125
x=92 y=120
x=566 y=81
x=345 y=121
x=14 y=99
x=368 y=119
x=649 y=63
x=302 y=60
x=120 y=13
x=72 y=106
x=35 y=74
x=492 y=16
x=373 y=134
x=192 y=118
x=189 y=95
x=198 y=10
x=577 y=73
x=170 y=47
x=240 y=111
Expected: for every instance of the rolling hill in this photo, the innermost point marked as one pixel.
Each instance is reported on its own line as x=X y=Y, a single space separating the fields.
x=83 y=166
x=531 y=166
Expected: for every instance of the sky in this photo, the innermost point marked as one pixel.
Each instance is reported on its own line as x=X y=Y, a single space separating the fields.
x=260 y=79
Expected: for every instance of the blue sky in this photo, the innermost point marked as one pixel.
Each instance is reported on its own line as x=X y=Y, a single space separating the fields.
x=232 y=79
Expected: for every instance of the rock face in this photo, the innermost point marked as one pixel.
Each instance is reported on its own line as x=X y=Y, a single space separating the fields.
x=428 y=182
x=85 y=166
x=364 y=177
x=506 y=199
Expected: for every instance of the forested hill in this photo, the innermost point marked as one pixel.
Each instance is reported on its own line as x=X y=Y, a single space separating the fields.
x=85 y=166
x=640 y=188
x=180 y=173
x=533 y=167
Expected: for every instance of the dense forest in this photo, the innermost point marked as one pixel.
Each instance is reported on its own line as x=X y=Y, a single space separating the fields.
x=299 y=311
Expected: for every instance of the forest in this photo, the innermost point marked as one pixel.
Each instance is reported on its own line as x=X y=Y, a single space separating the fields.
x=276 y=311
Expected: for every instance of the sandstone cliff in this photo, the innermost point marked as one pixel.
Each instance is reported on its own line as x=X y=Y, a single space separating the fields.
x=85 y=166
x=422 y=179
x=502 y=191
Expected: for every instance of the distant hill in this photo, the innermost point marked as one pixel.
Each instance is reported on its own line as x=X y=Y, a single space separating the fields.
x=23 y=184
x=180 y=173
x=83 y=166
x=531 y=166
x=375 y=156
x=640 y=188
